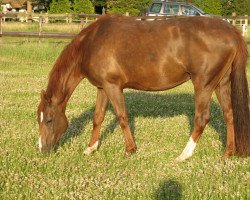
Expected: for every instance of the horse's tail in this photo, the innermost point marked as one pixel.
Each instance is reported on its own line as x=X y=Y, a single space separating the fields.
x=240 y=99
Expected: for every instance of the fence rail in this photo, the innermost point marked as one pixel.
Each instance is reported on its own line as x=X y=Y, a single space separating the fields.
x=83 y=20
x=38 y=35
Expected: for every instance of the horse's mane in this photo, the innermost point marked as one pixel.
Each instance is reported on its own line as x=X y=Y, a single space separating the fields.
x=63 y=64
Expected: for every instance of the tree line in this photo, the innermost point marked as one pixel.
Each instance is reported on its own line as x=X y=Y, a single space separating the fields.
x=139 y=7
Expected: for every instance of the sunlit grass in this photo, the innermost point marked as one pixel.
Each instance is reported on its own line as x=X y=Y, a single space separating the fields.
x=161 y=121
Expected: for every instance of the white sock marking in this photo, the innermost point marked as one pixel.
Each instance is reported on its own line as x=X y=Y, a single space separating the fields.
x=188 y=150
x=41 y=117
x=89 y=150
x=40 y=144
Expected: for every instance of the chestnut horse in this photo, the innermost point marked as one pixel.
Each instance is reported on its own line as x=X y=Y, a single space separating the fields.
x=118 y=52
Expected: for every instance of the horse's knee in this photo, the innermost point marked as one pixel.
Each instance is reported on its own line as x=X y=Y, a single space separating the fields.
x=228 y=117
x=123 y=121
x=98 y=118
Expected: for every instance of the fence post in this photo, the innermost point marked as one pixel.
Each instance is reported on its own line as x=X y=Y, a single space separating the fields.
x=40 y=26
x=82 y=22
x=67 y=18
x=246 y=20
x=244 y=27
x=1 y=22
x=234 y=18
x=70 y=18
x=46 y=18
x=26 y=17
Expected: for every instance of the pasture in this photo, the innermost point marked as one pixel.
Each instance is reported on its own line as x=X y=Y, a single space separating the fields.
x=161 y=122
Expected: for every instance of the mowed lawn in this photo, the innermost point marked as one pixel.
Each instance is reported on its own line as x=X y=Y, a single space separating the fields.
x=161 y=121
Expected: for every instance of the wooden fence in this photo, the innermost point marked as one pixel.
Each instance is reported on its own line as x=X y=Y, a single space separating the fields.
x=42 y=19
x=83 y=19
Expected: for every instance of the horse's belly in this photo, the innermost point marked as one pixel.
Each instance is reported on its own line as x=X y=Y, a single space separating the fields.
x=157 y=83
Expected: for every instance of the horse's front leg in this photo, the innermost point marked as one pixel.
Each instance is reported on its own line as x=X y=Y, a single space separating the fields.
x=101 y=106
x=116 y=97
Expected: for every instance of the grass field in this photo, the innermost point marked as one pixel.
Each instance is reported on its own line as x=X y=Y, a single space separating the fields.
x=161 y=121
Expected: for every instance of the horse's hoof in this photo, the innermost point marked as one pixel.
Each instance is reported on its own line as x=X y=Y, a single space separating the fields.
x=91 y=149
x=180 y=159
x=130 y=152
x=228 y=154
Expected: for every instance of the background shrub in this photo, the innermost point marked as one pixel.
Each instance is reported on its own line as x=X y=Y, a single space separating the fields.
x=83 y=6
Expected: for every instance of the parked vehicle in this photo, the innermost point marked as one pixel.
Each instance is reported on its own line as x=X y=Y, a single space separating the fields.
x=166 y=8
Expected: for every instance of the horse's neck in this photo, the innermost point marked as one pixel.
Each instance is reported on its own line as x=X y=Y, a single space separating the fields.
x=64 y=78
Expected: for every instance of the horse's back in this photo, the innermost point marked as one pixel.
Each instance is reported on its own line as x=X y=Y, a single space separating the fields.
x=156 y=55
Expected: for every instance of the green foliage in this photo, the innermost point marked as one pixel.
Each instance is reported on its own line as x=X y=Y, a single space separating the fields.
x=228 y=7
x=122 y=6
x=101 y=3
x=241 y=7
x=209 y=6
x=143 y=5
x=133 y=7
x=60 y=6
x=83 y=6
x=136 y=7
x=1 y=6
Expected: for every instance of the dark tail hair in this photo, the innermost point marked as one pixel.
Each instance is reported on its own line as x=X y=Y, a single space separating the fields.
x=240 y=99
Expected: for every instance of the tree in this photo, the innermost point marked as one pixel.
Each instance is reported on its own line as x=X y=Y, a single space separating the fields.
x=83 y=6
x=228 y=8
x=60 y=6
x=209 y=6
x=1 y=1
x=122 y=6
x=143 y=5
x=240 y=7
x=101 y=3
x=134 y=7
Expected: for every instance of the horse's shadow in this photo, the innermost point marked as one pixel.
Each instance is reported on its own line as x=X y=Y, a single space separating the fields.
x=169 y=189
x=148 y=104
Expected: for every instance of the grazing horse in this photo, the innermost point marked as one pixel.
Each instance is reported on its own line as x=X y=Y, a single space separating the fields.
x=118 y=52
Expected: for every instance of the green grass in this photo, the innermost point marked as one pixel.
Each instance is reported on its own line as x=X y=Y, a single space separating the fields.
x=161 y=121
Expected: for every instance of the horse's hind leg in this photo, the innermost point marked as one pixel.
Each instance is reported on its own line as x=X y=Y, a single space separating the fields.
x=223 y=92
x=202 y=115
x=101 y=106
x=116 y=97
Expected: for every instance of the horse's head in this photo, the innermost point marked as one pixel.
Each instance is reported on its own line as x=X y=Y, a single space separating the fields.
x=52 y=123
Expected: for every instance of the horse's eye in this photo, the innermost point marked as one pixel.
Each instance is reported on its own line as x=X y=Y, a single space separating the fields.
x=48 y=122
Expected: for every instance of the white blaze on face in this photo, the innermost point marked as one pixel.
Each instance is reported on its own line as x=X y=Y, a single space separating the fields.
x=41 y=117
x=40 y=144
x=188 y=150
